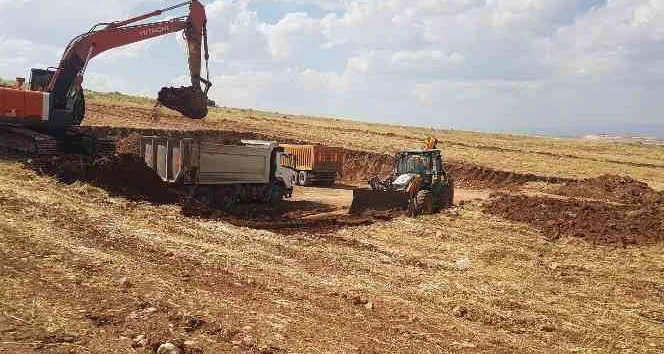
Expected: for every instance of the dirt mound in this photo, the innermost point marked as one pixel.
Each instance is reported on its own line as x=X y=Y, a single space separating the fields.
x=131 y=135
x=621 y=189
x=596 y=222
x=130 y=144
x=475 y=176
x=124 y=175
x=359 y=165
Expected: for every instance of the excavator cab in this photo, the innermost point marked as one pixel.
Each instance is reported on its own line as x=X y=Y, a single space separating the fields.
x=39 y=79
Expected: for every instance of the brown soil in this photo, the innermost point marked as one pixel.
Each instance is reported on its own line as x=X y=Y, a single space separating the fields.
x=475 y=176
x=125 y=175
x=358 y=165
x=596 y=222
x=85 y=273
x=287 y=217
x=621 y=189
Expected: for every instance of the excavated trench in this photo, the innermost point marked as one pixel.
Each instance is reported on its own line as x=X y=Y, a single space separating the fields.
x=358 y=165
x=624 y=211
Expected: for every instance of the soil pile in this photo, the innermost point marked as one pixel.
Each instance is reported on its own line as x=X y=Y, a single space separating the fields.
x=596 y=222
x=124 y=175
x=475 y=176
x=621 y=189
x=359 y=166
x=127 y=145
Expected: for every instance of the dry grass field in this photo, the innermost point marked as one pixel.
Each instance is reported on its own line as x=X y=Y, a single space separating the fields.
x=92 y=265
x=560 y=157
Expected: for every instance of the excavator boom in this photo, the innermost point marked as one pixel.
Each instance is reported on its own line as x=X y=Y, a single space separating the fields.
x=38 y=119
x=83 y=48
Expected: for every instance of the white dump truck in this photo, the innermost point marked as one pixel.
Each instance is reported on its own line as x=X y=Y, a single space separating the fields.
x=222 y=175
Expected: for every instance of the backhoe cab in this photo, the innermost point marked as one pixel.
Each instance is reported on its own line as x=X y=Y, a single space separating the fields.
x=419 y=184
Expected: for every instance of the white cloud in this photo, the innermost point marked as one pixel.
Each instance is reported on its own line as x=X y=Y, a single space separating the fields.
x=131 y=51
x=295 y=34
x=329 y=5
x=478 y=63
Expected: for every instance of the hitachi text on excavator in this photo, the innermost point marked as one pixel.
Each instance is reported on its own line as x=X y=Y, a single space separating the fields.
x=43 y=118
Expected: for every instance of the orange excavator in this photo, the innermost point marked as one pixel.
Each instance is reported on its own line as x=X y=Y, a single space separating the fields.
x=44 y=118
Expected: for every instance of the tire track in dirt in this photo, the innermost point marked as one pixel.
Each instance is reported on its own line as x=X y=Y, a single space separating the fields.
x=114 y=312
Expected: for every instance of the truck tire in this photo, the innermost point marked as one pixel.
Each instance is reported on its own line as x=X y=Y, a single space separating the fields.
x=424 y=202
x=204 y=195
x=303 y=178
x=277 y=193
x=225 y=197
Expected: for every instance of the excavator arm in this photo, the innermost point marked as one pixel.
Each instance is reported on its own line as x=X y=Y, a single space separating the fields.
x=65 y=85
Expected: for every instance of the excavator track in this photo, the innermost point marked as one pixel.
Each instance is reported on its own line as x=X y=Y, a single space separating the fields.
x=28 y=141
x=73 y=141
x=79 y=142
x=104 y=147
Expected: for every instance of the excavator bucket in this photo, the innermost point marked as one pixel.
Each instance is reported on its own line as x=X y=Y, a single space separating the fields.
x=188 y=100
x=369 y=199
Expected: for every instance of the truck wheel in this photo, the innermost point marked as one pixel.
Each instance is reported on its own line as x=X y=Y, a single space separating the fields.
x=303 y=178
x=225 y=197
x=424 y=202
x=329 y=182
x=276 y=193
x=204 y=195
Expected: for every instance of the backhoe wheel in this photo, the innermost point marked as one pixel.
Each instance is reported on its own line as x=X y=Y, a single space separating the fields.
x=450 y=182
x=446 y=196
x=424 y=202
x=303 y=178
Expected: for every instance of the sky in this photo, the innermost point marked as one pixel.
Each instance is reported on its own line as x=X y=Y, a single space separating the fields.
x=556 y=67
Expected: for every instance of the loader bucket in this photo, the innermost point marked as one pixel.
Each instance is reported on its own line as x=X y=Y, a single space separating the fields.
x=368 y=199
x=188 y=100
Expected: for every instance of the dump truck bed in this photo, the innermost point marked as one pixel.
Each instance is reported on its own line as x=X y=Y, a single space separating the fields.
x=187 y=161
x=316 y=157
